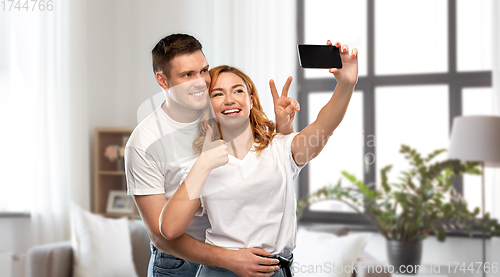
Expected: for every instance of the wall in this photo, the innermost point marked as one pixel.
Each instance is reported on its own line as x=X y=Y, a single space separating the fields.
x=16 y=238
x=121 y=36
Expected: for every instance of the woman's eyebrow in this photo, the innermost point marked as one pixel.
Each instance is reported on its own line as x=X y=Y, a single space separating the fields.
x=235 y=86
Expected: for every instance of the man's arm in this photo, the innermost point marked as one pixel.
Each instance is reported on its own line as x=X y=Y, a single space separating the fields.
x=150 y=207
x=244 y=262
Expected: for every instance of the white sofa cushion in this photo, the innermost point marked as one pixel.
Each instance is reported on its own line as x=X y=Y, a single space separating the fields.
x=324 y=254
x=101 y=246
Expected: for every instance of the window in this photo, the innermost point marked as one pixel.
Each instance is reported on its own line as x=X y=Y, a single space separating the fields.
x=342 y=141
x=425 y=61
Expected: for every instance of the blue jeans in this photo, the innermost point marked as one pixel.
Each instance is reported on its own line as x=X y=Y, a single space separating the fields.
x=209 y=271
x=162 y=264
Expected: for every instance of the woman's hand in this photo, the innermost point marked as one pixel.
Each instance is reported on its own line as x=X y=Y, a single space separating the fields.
x=348 y=74
x=214 y=153
x=284 y=107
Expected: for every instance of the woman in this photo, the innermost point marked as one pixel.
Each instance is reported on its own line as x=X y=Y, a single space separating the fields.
x=245 y=182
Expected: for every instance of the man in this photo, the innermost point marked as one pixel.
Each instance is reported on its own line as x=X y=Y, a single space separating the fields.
x=161 y=147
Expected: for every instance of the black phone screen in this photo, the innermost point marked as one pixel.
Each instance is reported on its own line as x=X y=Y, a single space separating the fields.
x=319 y=56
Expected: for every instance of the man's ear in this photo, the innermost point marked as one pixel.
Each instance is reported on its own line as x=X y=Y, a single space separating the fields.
x=161 y=79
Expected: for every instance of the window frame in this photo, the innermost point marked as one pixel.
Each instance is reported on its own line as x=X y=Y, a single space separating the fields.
x=455 y=80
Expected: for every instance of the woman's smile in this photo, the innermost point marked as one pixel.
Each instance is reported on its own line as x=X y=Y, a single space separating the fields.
x=230 y=97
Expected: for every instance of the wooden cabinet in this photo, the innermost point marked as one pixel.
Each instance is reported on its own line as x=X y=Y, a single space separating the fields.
x=109 y=174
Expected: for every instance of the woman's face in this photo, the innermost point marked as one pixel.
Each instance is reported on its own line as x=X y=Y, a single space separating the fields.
x=230 y=99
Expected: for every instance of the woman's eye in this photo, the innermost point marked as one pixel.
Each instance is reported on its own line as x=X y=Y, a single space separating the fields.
x=217 y=94
x=238 y=91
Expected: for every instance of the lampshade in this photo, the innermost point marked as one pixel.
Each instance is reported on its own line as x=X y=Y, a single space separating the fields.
x=476 y=138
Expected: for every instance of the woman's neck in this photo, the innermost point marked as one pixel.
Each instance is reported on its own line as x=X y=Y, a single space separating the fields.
x=239 y=140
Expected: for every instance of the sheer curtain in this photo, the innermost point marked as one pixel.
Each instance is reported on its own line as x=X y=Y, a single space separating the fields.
x=258 y=37
x=44 y=117
x=496 y=96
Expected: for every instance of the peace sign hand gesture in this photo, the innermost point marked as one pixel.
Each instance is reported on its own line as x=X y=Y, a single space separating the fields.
x=284 y=108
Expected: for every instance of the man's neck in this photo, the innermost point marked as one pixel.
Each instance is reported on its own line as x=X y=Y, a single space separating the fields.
x=180 y=114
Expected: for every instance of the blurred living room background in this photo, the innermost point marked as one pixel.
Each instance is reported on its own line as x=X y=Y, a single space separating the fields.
x=87 y=64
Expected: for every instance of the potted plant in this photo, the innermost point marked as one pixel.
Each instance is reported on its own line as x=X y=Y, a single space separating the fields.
x=422 y=202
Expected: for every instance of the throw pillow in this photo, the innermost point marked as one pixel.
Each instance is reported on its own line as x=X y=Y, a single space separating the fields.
x=324 y=254
x=101 y=246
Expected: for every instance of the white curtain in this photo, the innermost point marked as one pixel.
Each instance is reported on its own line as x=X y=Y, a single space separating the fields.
x=496 y=97
x=44 y=118
x=258 y=37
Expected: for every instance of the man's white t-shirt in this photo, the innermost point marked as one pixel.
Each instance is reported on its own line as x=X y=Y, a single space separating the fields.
x=253 y=203
x=156 y=155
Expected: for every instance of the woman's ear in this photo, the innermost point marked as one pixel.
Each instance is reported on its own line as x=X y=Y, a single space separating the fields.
x=251 y=102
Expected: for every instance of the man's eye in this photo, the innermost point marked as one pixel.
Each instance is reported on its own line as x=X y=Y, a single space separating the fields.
x=187 y=75
x=204 y=71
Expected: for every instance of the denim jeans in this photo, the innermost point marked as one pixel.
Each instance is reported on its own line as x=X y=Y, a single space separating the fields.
x=208 y=271
x=162 y=264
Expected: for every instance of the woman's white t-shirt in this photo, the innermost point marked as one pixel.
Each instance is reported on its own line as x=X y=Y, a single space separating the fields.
x=251 y=202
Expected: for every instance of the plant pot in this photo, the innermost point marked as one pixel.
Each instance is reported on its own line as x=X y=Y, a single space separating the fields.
x=404 y=256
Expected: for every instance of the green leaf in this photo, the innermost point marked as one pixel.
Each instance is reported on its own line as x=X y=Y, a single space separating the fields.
x=434 y=154
x=364 y=189
x=383 y=174
x=350 y=177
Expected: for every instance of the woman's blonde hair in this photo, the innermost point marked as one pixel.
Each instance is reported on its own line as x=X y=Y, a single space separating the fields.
x=263 y=128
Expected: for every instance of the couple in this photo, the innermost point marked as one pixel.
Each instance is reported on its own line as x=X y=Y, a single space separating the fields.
x=252 y=209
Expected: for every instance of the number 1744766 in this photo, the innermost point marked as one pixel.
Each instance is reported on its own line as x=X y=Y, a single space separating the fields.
x=27 y=5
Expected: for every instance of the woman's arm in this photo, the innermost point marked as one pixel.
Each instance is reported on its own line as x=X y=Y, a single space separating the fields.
x=180 y=209
x=310 y=141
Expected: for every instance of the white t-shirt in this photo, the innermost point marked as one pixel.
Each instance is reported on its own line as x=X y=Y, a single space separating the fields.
x=156 y=155
x=254 y=202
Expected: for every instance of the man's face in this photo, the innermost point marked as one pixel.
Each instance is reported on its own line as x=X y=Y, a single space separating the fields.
x=189 y=80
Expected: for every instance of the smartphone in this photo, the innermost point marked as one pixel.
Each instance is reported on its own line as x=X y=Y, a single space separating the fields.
x=319 y=56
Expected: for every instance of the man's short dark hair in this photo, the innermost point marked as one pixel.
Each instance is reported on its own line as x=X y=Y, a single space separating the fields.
x=171 y=46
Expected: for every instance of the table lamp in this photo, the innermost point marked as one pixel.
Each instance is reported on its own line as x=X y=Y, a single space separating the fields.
x=477 y=139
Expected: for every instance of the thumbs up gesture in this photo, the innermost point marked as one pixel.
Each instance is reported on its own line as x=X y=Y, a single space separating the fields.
x=214 y=152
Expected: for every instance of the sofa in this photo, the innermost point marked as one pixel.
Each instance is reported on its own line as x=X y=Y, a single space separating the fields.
x=56 y=260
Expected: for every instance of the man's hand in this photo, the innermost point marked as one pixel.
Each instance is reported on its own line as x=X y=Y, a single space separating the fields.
x=284 y=108
x=251 y=262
